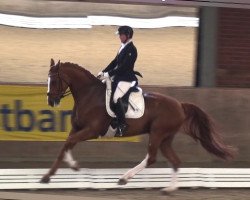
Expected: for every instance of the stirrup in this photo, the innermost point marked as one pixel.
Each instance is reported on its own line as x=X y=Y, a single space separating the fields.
x=121 y=129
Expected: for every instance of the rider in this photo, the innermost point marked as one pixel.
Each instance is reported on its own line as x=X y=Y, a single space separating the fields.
x=121 y=69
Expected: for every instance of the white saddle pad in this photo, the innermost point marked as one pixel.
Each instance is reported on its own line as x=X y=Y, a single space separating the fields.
x=136 y=105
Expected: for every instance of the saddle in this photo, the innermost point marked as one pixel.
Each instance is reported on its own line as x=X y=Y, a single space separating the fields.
x=133 y=99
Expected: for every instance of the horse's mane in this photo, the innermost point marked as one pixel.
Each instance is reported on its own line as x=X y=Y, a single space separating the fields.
x=82 y=69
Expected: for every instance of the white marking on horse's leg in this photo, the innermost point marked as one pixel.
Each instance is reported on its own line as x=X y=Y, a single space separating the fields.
x=130 y=174
x=68 y=158
x=173 y=183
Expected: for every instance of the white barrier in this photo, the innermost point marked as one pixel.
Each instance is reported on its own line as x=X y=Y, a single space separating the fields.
x=107 y=178
x=89 y=21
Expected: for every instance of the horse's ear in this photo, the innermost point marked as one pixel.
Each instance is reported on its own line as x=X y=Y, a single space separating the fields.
x=58 y=62
x=52 y=62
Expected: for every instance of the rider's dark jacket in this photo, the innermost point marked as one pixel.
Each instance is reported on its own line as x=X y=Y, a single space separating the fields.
x=122 y=67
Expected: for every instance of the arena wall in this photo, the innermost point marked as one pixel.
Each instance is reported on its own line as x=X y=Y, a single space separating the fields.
x=233 y=48
x=229 y=108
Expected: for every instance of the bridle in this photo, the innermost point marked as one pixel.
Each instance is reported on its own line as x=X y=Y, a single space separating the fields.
x=60 y=93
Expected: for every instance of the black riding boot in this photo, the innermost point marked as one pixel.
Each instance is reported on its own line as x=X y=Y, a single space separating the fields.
x=120 y=115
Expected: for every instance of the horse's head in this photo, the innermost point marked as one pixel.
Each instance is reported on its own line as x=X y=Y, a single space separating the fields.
x=57 y=86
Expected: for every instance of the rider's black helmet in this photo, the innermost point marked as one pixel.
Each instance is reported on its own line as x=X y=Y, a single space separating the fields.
x=126 y=30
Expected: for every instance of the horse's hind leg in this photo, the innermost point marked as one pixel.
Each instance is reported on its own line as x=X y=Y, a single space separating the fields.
x=68 y=158
x=154 y=142
x=169 y=153
x=130 y=174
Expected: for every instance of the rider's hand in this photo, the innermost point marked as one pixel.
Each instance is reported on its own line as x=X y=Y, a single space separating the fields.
x=105 y=74
x=100 y=74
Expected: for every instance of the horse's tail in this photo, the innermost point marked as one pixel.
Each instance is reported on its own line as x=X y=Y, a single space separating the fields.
x=200 y=127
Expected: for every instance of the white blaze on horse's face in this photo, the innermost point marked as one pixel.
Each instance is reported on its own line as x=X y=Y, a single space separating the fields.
x=48 y=84
x=48 y=89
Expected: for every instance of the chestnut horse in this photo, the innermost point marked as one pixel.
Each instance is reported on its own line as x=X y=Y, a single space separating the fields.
x=162 y=119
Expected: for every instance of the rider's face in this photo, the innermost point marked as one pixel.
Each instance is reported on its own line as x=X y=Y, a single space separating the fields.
x=123 y=38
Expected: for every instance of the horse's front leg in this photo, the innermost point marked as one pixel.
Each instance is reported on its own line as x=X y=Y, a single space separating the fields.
x=55 y=165
x=73 y=139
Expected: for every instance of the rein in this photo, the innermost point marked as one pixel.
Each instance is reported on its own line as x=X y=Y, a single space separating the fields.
x=66 y=93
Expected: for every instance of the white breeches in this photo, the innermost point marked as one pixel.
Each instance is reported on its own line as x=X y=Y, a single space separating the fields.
x=122 y=88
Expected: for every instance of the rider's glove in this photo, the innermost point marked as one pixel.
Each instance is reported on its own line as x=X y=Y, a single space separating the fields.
x=105 y=74
x=100 y=74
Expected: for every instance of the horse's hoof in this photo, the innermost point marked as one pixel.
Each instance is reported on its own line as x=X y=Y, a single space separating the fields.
x=168 y=190
x=76 y=167
x=45 y=179
x=165 y=192
x=122 y=181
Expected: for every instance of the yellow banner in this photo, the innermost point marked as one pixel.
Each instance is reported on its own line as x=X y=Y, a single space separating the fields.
x=25 y=115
